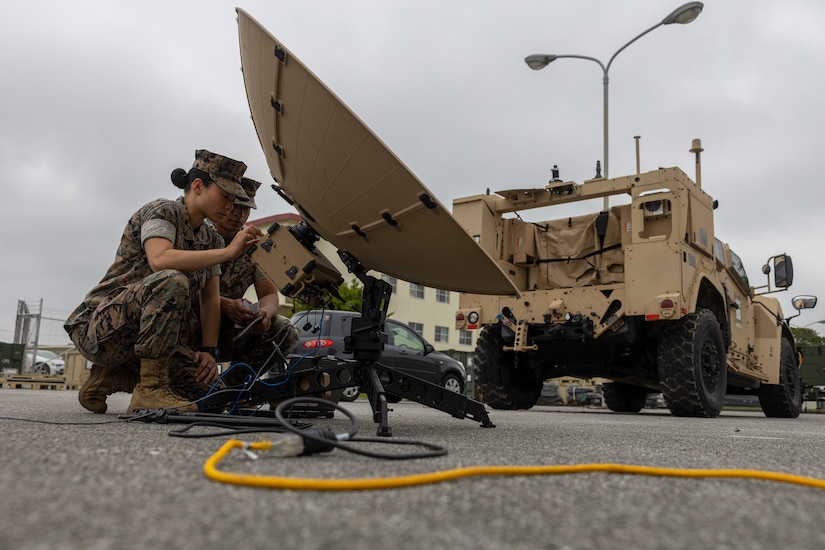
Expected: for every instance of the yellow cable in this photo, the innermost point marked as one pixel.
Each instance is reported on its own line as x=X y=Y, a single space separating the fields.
x=356 y=484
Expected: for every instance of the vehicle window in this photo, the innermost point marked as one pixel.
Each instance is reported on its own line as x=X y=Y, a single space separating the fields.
x=719 y=251
x=739 y=268
x=403 y=337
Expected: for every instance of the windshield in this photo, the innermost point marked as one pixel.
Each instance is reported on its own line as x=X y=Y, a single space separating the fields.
x=45 y=354
x=739 y=267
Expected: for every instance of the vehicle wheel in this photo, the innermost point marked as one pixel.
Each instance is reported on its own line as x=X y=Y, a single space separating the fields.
x=692 y=362
x=350 y=394
x=783 y=400
x=42 y=369
x=452 y=383
x=624 y=398
x=499 y=381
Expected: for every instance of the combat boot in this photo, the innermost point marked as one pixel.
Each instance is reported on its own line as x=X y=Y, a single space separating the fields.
x=153 y=391
x=103 y=382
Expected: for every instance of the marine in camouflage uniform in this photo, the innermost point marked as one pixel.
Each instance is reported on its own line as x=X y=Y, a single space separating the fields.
x=256 y=349
x=136 y=314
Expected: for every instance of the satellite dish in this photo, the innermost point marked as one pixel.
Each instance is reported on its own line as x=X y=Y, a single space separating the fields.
x=347 y=184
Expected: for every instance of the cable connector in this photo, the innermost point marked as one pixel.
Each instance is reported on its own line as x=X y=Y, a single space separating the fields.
x=309 y=442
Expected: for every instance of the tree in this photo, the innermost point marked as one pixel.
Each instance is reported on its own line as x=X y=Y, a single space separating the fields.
x=350 y=298
x=807 y=337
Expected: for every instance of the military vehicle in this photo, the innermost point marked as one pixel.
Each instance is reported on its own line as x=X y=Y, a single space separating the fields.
x=641 y=294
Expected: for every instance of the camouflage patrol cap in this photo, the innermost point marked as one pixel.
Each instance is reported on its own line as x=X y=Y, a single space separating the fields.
x=224 y=171
x=250 y=187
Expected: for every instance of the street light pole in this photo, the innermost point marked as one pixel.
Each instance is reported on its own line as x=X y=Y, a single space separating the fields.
x=682 y=15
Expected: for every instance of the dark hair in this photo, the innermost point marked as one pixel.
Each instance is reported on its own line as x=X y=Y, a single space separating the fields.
x=183 y=179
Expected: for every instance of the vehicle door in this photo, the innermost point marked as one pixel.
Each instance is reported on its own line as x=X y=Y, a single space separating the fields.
x=407 y=352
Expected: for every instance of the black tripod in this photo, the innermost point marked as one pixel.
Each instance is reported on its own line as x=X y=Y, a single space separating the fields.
x=366 y=342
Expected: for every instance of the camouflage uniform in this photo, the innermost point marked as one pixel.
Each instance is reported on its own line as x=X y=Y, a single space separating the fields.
x=236 y=277
x=255 y=349
x=134 y=313
x=131 y=324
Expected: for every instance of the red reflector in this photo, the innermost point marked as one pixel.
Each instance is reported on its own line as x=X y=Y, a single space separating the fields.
x=651 y=317
x=667 y=303
x=472 y=326
x=312 y=344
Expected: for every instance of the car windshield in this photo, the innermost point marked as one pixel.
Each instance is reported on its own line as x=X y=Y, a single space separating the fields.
x=45 y=354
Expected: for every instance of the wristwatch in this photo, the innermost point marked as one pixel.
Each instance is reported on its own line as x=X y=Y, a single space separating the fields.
x=212 y=350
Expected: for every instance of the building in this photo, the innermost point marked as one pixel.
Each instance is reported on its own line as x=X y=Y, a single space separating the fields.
x=429 y=311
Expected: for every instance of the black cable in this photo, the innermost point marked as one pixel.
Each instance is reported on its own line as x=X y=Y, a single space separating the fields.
x=61 y=423
x=229 y=431
x=434 y=450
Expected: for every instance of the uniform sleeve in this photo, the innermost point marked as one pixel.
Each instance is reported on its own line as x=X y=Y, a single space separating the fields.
x=259 y=275
x=158 y=228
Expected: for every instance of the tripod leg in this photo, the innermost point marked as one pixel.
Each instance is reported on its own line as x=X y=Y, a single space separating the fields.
x=378 y=400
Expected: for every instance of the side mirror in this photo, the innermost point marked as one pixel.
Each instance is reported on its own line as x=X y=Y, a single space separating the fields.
x=803 y=302
x=782 y=271
x=428 y=348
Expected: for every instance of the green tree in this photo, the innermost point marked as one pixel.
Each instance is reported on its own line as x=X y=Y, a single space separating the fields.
x=807 y=337
x=350 y=298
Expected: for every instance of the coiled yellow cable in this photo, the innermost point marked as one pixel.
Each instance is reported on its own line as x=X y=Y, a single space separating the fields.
x=362 y=484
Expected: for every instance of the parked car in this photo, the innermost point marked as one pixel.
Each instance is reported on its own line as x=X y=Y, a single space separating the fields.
x=45 y=362
x=322 y=332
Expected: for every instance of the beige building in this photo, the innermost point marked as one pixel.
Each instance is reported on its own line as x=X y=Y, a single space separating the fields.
x=429 y=311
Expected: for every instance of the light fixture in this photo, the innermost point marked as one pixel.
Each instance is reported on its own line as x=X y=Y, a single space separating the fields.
x=684 y=14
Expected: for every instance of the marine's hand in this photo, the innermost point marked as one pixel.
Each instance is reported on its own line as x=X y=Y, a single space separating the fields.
x=207 y=368
x=266 y=321
x=244 y=239
x=237 y=312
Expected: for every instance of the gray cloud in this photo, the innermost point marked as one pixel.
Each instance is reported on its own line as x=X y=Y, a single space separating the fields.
x=102 y=100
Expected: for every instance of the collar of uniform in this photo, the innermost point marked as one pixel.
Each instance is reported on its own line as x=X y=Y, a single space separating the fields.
x=200 y=237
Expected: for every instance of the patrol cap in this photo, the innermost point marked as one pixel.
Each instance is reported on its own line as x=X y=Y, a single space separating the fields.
x=224 y=171
x=250 y=187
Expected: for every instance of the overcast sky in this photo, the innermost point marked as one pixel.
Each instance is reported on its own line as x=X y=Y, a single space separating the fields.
x=102 y=100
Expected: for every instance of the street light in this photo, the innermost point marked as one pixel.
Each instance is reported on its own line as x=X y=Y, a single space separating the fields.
x=682 y=15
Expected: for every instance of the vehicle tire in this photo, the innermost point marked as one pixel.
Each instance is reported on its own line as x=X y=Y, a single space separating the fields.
x=783 y=400
x=499 y=382
x=692 y=365
x=350 y=394
x=42 y=369
x=624 y=398
x=453 y=383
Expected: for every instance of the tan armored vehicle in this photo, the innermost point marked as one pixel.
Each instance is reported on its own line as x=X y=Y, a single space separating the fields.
x=641 y=294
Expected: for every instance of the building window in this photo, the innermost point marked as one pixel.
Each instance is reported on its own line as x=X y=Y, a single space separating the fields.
x=416 y=290
x=442 y=334
x=465 y=337
x=417 y=327
x=442 y=296
x=392 y=280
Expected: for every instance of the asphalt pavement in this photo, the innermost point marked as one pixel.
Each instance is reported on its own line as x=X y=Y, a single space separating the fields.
x=77 y=480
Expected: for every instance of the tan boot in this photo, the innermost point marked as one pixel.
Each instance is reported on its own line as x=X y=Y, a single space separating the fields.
x=103 y=382
x=153 y=392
